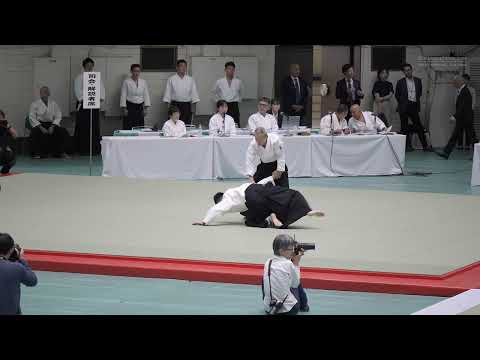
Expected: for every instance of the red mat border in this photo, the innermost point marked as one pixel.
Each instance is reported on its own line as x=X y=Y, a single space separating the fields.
x=448 y=284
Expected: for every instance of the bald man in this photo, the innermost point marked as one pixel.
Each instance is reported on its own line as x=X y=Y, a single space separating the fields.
x=364 y=121
x=294 y=94
x=47 y=136
x=266 y=157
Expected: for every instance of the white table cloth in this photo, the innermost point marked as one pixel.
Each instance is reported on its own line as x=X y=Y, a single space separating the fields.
x=357 y=155
x=476 y=165
x=224 y=157
x=229 y=156
x=157 y=157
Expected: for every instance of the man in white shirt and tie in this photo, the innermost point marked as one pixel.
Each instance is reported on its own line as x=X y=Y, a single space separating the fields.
x=262 y=118
x=134 y=99
x=82 y=122
x=365 y=121
x=181 y=91
x=266 y=157
x=282 y=291
x=221 y=122
x=47 y=136
x=335 y=123
x=230 y=88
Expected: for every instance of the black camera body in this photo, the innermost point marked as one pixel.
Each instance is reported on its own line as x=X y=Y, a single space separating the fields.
x=3 y=123
x=304 y=247
x=14 y=253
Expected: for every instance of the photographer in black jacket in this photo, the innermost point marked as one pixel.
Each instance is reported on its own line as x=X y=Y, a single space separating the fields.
x=7 y=135
x=14 y=270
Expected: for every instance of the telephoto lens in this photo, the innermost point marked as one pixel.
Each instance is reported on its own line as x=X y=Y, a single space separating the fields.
x=304 y=246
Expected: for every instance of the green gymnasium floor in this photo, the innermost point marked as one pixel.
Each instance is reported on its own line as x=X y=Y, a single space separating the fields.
x=61 y=293
x=78 y=294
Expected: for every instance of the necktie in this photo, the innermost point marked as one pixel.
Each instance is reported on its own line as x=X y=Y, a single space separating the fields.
x=297 y=90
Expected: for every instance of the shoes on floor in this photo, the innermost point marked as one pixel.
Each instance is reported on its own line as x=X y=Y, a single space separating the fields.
x=442 y=154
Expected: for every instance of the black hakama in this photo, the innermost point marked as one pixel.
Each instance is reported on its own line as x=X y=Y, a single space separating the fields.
x=265 y=170
x=135 y=116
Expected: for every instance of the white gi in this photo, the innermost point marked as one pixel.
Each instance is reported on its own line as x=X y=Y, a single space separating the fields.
x=273 y=151
x=372 y=123
x=233 y=200
x=40 y=112
x=174 y=129
x=223 y=126
x=326 y=124
x=258 y=120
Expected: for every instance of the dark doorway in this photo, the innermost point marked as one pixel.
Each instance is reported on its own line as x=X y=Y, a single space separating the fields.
x=294 y=54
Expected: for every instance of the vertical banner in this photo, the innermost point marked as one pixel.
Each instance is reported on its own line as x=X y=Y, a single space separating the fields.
x=91 y=90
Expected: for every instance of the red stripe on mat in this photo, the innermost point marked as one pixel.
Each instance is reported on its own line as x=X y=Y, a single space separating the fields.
x=9 y=174
x=449 y=284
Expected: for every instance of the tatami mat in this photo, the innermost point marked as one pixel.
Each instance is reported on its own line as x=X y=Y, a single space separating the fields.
x=364 y=229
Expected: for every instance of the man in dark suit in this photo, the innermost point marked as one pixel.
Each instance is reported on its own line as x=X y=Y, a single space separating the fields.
x=408 y=93
x=348 y=90
x=294 y=94
x=463 y=116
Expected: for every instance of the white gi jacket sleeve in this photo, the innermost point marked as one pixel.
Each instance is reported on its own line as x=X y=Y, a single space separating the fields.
x=253 y=159
x=280 y=153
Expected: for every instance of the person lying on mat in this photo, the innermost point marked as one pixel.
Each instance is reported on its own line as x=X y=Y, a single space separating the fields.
x=262 y=204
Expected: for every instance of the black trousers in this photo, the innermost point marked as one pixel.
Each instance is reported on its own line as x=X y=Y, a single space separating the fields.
x=185 y=111
x=473 y=138
x=461 y=125
x=7 y=159
x=234 y=112
x=418 y=128
x=45 y=144
x=82 y=131
x=265 y=170
x=135 y=116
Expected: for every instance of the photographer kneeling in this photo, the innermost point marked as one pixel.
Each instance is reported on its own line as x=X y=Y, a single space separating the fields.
x=282 y=292
x=14 y=270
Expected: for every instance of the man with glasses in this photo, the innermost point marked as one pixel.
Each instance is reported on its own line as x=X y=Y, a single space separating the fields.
x=262 y=118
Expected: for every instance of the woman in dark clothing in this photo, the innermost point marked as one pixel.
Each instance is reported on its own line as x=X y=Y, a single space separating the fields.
x=383 y=92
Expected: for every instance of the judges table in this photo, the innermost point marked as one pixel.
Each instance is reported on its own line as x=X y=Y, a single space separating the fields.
x=224 y=157
x=476 y=165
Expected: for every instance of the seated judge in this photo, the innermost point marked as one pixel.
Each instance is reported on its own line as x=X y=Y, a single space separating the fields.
x=134 y=99
x=364 y=121
x=8 y=135
x=262 y=204
x=221 y=122
x=275 y=111
x=266 y=157
x=335 y=123
x=174 y=127
x=262 y=118
x=47 y=136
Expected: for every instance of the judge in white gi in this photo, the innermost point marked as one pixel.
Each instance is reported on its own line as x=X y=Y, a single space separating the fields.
x=365 y=121
x=221 y=122
x=282 y=291
x=230 y=88
x=174 y=127
x=181 y=91
x=47 y=136
x=82 y=123
x=266 y=157
x=335 y=123
x=134 y=99
x=262 y=204
x=262 y=118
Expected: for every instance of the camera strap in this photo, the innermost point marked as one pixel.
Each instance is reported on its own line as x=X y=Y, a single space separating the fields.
x=277 y=305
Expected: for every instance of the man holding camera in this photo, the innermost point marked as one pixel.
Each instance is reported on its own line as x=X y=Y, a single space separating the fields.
x=282 y=291
x=14 y=270
x=7 y=136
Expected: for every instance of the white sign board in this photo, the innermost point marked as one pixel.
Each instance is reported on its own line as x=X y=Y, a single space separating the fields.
x=91 y=90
